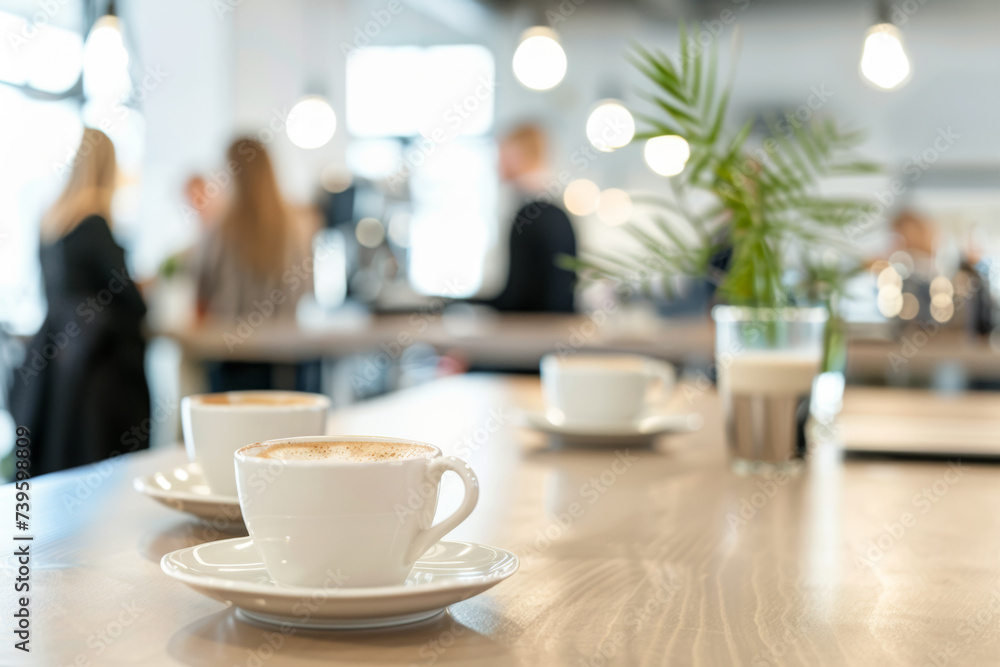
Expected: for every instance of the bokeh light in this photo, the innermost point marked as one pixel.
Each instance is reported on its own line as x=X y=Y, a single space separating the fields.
x=667 y=155
x=335 y=178
x=582 y=197
x=311 y=122
x=369 y=232
x=890 y=301
x=890 y=277
x=539 y=61
x=610 y=126
x=615 y=207
x=941 y=286
x=911 y=307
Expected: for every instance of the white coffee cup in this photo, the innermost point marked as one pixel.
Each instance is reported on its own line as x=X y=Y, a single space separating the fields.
x=216 y=425
x=594 y=390
x=344 y=522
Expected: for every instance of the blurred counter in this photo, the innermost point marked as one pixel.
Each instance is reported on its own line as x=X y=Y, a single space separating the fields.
x=500 y=340
x=519 y=340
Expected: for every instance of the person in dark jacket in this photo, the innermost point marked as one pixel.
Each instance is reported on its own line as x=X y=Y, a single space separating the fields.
x=540 y=233
x=82 y=390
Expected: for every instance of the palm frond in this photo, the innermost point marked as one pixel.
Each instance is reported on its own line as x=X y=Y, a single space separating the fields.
x=765 y=203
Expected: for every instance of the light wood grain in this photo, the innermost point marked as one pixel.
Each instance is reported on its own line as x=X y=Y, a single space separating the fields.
x=877 y=419
x=654 y=571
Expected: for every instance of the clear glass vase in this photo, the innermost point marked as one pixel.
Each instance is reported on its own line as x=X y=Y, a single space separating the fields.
x=766 y=361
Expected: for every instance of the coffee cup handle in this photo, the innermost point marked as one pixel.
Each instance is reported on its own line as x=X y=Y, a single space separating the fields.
x=664 y=373
x=430 y=536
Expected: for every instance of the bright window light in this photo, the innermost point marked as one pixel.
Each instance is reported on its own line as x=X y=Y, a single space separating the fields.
x=35 y=137
x=105 y=61
x=425 y=114
x=43 y=57
x=454 y=218
x=330 y=268
x=374 y=159
x=437 y=92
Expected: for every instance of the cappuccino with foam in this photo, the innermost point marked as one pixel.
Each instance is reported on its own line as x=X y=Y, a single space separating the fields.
x=360 y=506
x=342 y=451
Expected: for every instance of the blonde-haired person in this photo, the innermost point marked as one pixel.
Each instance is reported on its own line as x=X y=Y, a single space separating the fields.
x=82 y=389
x=540 y=232
x=253 y=265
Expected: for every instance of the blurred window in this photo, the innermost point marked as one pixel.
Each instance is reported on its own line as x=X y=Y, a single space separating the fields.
x=436 y=105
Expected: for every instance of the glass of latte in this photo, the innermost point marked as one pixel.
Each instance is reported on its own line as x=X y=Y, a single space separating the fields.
x=766 y=361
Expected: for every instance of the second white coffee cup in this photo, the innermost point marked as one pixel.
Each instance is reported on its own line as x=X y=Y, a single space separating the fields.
x=216 y=425
x=346 y=519
x=596 y=390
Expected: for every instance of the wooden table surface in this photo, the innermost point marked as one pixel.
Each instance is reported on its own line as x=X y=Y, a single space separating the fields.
x=672 y=560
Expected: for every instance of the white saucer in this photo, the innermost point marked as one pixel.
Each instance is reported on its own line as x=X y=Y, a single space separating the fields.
x=184 y=489
x=643 y=429
x=232 y=571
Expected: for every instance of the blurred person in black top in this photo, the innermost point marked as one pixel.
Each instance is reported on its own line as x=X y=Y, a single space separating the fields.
x=539 y=234
x=82 y=390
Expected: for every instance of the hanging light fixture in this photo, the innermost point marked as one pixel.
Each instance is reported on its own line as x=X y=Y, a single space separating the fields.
x=610 y=126
x=884 y=62
x=539 y=61
x=105 y=59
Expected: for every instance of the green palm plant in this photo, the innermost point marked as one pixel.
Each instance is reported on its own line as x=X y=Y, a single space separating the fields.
x=765 y=206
